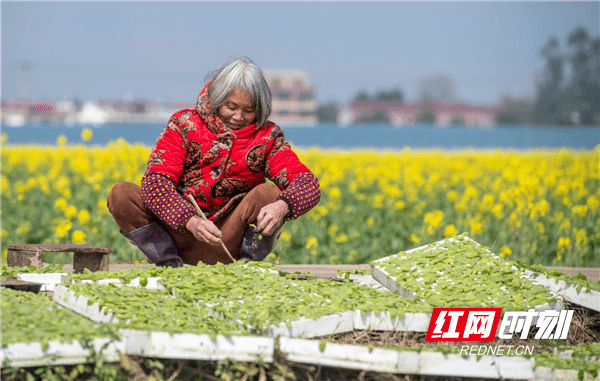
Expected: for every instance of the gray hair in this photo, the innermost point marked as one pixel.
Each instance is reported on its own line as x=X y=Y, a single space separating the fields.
x=242 y=74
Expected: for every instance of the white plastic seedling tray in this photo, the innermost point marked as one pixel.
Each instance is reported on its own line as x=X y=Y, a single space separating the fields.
x=405 y=362
x=413 y=322
x=48 y=280
x=67 y=298
x=305 y=328
x=57 y=353
x=152 y=282
x=544 y=373
x=349 y=321
x=454 y=365
x=191 y=346
x=348 y=356
x=166 y=345
x=256 y=348
x=390 y=282
x=366 y=280
x=586 y=298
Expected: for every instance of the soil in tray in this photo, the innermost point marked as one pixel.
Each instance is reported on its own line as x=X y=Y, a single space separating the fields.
x=22 y=285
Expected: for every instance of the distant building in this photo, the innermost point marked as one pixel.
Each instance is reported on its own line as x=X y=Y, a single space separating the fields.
x=18 y=112
x=405 y=114
x=293 y=97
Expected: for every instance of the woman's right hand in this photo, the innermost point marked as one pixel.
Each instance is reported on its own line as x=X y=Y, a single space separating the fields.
x=204 y=230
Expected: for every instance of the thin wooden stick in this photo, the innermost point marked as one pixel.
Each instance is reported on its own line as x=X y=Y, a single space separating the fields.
x=191 y=198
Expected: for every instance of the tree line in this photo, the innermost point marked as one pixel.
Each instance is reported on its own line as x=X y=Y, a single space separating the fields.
x=567 y=89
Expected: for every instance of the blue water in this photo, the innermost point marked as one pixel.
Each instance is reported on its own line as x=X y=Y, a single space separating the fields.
x=377 y=136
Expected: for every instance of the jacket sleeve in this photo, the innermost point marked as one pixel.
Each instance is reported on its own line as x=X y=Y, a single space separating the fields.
x=299 y=186
x=163 y=171
x=301 y=195
x=161 y=197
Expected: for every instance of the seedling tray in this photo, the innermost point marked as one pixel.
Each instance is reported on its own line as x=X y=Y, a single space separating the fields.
x=192 y=346
x=586 y=298
x=303 y=327
x=257 y=348
x=48 y=280
x=545 y=373
x=80 y=304
x=57 y=353
x=429 y=271
x=427 y=363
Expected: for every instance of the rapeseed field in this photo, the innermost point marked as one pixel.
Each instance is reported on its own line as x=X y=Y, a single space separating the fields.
x=537 y=206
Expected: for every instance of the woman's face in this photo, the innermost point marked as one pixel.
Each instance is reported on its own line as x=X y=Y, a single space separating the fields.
x=237 y=111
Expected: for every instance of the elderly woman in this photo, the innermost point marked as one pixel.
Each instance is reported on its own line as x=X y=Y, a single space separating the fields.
x=221 y=152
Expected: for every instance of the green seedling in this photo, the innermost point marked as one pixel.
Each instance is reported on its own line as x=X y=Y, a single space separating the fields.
x=257 y=236
x=458 y=272
x=30 y=317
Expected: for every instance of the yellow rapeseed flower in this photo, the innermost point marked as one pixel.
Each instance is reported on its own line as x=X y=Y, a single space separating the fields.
x=332 y=230
x=452 y=195
x=83 y=216
x=475 y=226
x=71 y=211
x=341 y=238
x=370 y=221
x=564 y=242
x=4 y=184
x=450 y=230
x=580 y=210
x=488 y=201
x=321 y=210
x=399 y=205
x=497 y=211
x=62 y=229
x=24 y=228
x=285 y=236
x=470 y=192
x=78 y=237
x=558 y=257
x=378 y=200
x=335 y=192
x=434 y=219
x=505 y=250
x=86 y=134
x=581 y=239
x=312 y=242
x=593 y=203
x=61 y=140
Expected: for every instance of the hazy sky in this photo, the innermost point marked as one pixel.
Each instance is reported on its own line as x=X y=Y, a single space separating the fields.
x=103 y=50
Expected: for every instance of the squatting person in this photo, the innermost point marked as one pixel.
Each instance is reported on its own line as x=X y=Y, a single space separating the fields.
x=221 y=152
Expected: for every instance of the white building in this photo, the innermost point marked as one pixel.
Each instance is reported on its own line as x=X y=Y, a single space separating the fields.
x=293 y=98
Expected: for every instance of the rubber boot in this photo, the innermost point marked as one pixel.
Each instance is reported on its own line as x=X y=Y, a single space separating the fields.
x=255 y=248
x=156 y=244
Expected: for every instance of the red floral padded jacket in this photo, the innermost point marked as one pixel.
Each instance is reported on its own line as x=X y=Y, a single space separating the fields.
x=197 y=154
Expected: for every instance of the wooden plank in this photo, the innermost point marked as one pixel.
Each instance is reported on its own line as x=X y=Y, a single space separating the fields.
x=49 y=248
x=329 y=271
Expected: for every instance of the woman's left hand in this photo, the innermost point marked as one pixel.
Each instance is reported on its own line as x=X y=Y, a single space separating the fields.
x=271 y=217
